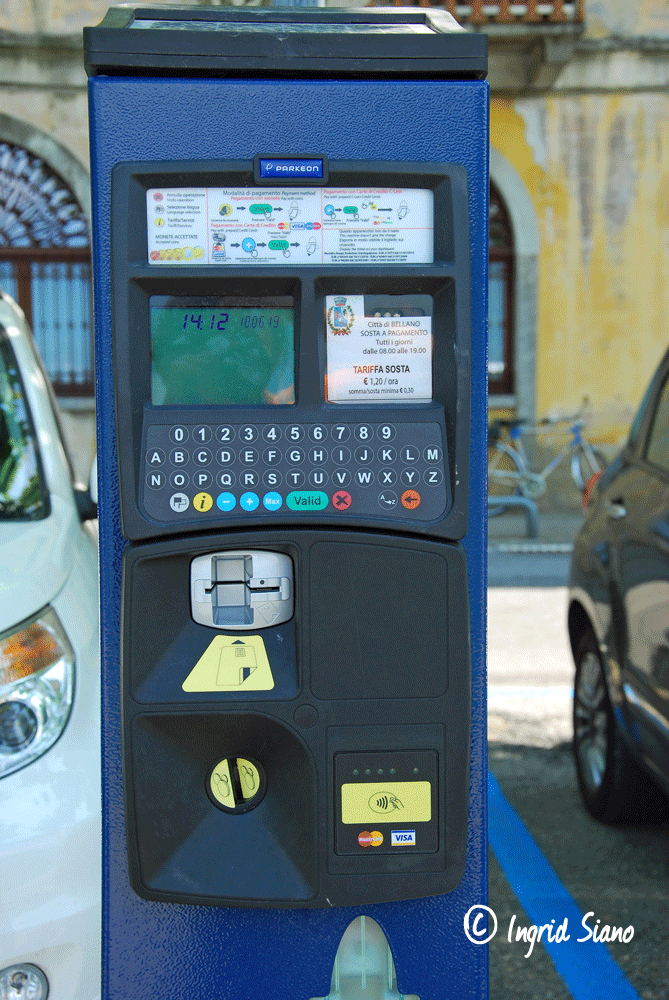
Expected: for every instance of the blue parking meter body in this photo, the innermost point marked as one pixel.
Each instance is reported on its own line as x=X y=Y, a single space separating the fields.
x=290 y=250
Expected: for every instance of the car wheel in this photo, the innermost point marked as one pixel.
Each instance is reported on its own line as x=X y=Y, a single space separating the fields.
x=613 y=787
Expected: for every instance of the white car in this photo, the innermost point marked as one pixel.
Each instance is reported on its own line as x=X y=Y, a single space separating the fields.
x=49 y=694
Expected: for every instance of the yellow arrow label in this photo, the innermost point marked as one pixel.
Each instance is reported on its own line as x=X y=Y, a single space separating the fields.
x=232 y=664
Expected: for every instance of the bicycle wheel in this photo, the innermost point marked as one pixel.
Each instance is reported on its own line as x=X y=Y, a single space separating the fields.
x=504 y=476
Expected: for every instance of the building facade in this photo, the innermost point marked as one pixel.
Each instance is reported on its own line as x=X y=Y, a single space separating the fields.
x=579 y=223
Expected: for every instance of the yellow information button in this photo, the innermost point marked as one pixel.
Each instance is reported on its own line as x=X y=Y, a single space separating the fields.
x=389 y=801
x=203 y=501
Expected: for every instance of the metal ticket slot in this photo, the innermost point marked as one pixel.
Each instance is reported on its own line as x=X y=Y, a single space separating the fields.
x=292 y=369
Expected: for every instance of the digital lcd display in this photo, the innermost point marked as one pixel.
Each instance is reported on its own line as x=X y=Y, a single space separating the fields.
x=218 y=351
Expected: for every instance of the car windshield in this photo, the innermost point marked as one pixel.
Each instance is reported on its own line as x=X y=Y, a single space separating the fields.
x=23 y=495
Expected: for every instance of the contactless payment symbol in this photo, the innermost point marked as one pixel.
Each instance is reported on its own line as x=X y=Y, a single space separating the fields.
x=342 y=500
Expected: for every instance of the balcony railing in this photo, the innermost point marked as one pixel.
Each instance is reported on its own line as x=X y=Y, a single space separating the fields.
x=536 y=12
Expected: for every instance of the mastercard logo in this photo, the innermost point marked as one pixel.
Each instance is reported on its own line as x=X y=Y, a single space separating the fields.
x=367 y=839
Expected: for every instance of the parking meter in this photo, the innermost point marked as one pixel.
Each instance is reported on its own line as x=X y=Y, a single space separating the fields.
x=290 y=286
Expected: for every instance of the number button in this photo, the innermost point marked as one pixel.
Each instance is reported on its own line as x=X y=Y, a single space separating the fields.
x=318 y=432
x=363 y=432
x=178 y=434
x=386 y=432
x=271 y=433
x=202 y=434
x=225 y=433
x=248 y=434
x=341 y=432
x=295 y=433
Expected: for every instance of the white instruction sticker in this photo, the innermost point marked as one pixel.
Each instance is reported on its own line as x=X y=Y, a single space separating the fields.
x=273 y=226
x=377 y=357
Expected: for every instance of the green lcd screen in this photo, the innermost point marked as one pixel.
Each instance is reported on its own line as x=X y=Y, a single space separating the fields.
x=217 y=351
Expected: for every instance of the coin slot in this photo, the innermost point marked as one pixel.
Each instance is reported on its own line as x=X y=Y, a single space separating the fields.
x=236 y=784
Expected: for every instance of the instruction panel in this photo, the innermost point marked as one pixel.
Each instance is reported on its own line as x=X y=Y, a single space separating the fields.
x=380 y=356
x=273 y=226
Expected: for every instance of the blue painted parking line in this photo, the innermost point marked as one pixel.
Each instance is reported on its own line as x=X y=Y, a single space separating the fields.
x=586 y=966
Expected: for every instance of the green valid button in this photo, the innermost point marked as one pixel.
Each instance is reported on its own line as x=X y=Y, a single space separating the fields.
x=350 y=210
x=307 y=500
x=260 y=209
x=278 y=244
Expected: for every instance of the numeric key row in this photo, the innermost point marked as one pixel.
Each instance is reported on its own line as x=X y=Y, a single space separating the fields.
x=293 y=433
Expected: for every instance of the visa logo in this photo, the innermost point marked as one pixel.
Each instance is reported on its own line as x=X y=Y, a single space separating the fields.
x=402 y=838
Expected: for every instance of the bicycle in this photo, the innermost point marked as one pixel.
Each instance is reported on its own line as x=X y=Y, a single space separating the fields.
x=509 y=472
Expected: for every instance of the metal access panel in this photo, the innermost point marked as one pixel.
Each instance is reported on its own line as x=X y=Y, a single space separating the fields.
x=290 y=278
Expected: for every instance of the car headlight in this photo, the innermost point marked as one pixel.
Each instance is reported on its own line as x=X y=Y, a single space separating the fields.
x=36 y=689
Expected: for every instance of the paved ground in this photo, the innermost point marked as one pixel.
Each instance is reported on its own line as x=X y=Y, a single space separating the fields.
x=620 y=874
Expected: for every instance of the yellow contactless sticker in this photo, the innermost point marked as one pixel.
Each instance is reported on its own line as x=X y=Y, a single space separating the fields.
x=231 y=664
x=392 y=801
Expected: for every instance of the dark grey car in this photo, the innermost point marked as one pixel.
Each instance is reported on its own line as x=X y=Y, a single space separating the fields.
x=619 y=624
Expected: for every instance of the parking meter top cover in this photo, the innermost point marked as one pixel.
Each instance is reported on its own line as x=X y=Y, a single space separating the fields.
x=221 y=42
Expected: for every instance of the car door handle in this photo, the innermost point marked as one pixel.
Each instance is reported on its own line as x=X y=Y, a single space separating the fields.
x=615 y=509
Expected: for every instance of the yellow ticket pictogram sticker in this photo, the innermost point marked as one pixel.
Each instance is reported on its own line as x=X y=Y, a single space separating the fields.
x=232 y=664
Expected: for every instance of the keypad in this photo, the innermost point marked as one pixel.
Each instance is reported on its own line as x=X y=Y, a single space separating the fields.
x=347 y=469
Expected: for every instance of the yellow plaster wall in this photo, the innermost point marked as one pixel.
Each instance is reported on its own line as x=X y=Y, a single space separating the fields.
x=596 y=168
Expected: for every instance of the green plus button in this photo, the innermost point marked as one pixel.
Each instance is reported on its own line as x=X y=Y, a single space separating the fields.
x=307 y=500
